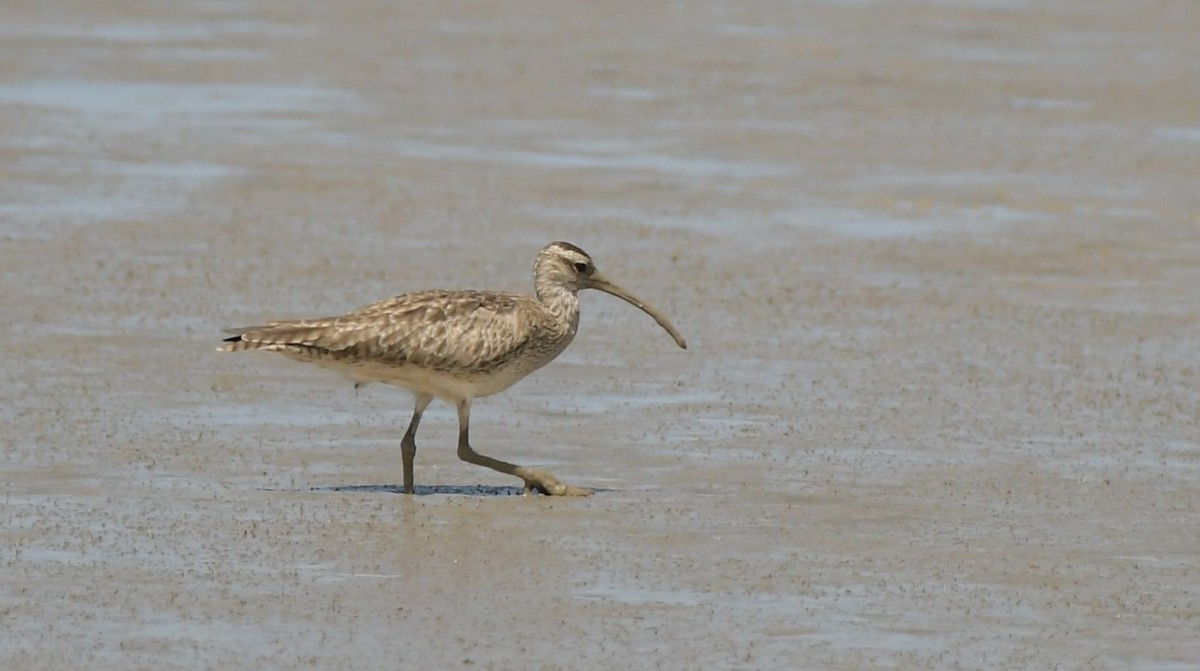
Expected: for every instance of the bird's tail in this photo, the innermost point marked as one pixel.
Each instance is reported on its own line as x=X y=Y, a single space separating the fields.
x=276 y=337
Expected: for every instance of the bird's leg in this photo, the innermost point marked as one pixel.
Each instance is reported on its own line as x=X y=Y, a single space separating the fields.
x=408 y=446
x=535 y=478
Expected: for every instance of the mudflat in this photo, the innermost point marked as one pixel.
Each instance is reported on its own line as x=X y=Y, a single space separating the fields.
x=936 y=263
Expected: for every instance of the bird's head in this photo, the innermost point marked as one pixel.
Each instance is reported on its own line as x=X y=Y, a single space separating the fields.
x=562 y=265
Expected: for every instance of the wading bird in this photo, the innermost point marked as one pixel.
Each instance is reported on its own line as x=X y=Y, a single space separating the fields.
x=453 y=345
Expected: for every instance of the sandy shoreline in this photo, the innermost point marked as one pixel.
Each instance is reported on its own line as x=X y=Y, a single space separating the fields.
x=936 y=265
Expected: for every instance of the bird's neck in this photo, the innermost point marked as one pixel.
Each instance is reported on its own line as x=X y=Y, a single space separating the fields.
x=561 y=302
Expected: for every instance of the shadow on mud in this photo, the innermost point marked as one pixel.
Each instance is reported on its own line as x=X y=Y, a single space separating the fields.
x=425 y=490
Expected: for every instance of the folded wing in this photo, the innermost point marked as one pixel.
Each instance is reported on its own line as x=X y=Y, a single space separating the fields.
x=459 y=331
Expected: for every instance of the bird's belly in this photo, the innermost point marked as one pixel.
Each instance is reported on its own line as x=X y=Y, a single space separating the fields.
x=449 y=386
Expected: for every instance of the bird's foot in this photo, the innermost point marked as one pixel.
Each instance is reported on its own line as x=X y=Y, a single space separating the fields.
x=542 y=481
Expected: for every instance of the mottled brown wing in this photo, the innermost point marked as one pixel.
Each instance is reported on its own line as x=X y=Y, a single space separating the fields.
x=443 y=330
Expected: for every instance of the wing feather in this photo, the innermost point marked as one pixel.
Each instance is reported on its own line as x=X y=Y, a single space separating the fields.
x=442 y=330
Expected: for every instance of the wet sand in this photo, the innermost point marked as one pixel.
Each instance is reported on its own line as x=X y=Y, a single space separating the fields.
x=936 y=263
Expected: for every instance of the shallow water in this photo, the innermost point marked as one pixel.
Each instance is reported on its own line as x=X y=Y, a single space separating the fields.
x=935 y=263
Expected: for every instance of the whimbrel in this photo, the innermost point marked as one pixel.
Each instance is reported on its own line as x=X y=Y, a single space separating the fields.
x=453 y=345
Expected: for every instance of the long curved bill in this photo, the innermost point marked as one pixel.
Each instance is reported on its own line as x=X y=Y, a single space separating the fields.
x=600 y=282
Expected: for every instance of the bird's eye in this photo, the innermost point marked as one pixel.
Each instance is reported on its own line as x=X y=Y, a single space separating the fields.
x=581 y=267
